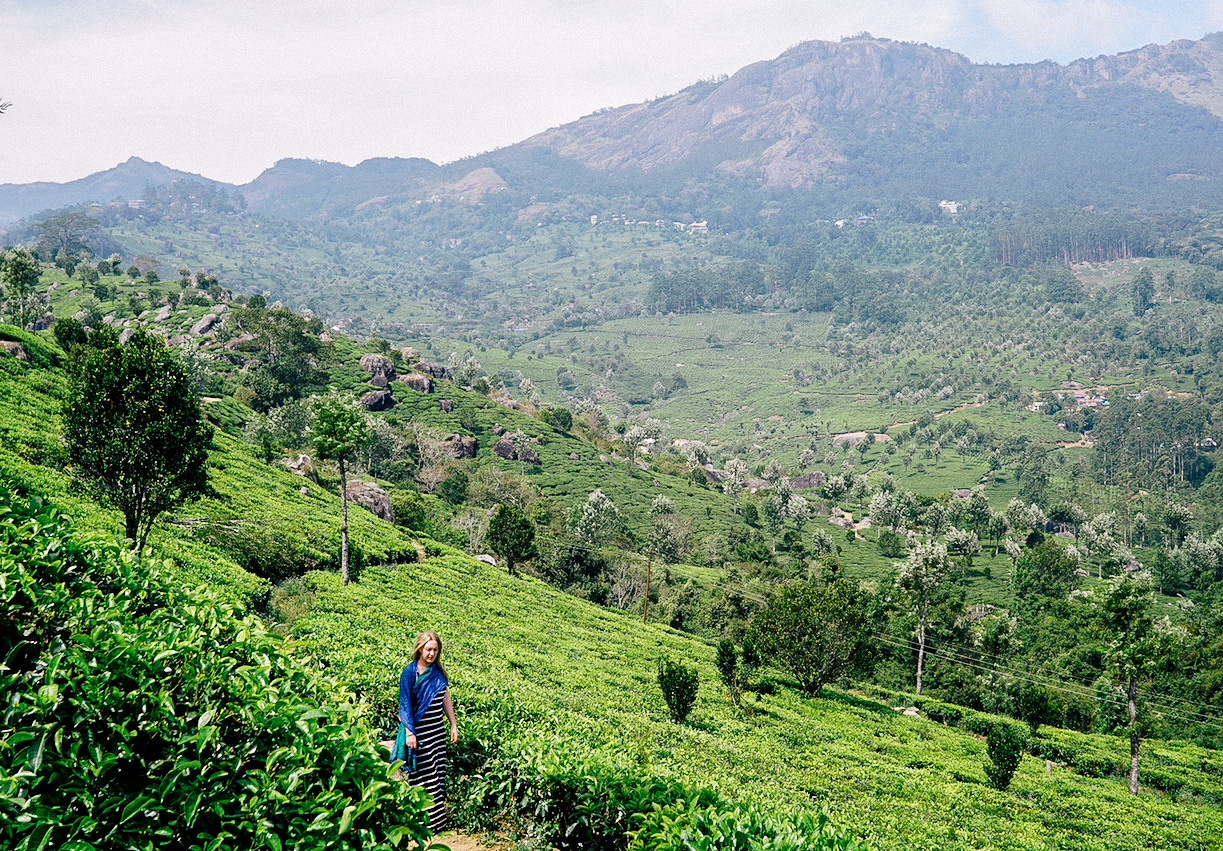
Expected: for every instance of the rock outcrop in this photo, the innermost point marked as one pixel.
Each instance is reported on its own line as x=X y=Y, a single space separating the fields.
x=377 y=400
x=372 y=497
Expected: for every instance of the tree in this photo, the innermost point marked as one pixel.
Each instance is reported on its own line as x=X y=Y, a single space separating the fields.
x=679 y=684
x=285 y=360
x=1144 y=291
x=340 y=430
x=511 y=535
x=1140 y=642
x=815 y=632
x=135 y=436
x=919 y=577
x=1004 y=745
x=19 y=273
x=65 y=233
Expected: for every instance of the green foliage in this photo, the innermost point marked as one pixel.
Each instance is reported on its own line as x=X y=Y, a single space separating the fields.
x=454 y=488
x=559 y=418
x=135 y=438
x=511 y=535
x=727 y=661
x=339 y=429
x=19 y=273
x=1004 y=744
x=70 y=332
x=816 y=632
x=688 y=825
x=140 y=716
x=679 y=684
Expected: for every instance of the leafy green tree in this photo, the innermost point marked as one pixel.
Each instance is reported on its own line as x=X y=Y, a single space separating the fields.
x=64 y=233
x=1004 y=745
x=679 y=684
x=135 y=436
x=287 y=348
x=1143 y=291
x=19 y=273
x=340 y=430
x=69 y=332
x=815 y=632
x=454 y=488
x=727 y=661
x=1140 y=643
x=919 y=578
x=511 y=535
x=1043 y=573
x=559 y=418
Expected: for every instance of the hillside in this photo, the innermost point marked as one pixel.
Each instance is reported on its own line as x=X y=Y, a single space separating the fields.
x=559 y=694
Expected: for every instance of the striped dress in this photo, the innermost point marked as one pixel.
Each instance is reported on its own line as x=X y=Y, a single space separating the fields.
x=432 y=737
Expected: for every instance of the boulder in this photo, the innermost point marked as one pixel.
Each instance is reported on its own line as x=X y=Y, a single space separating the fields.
x=372 y=497
x=504 y=449
x=378 y=365
x=807 y=481
x=238 y=342
x=573 y=456
x=302 y=466
x=434 y=369
x=416 y=381
x=207 y=322
x=497 y=429
x=379 y=381
x=125 y=335
x=528 y=455
x=9 y=347
x=487 y=559
x=163 y=314
x=377 y=400
x=446 y=406
x=461 y=446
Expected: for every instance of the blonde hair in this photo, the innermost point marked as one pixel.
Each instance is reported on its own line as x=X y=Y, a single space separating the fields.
x=423 y=639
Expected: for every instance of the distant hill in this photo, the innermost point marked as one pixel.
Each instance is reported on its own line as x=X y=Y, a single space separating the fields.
x=867 y=116
x=127 y=180
x=826 y=125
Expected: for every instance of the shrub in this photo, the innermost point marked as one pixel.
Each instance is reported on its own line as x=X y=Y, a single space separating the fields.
x=679 y=684
x=1004 y=744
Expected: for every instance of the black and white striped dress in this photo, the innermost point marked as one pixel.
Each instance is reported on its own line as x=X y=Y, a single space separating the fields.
x=432 y=736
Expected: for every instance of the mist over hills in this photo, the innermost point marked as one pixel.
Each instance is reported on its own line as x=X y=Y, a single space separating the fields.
x=829 y=124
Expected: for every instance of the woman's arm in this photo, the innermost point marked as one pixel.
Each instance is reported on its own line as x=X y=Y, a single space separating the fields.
x=448 y=708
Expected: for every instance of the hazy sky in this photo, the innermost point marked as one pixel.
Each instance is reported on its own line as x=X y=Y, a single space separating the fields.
x=224 y=88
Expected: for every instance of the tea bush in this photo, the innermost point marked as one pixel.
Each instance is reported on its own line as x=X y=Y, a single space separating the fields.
x=690 y=825
x=1004 y=744
x=137 y=716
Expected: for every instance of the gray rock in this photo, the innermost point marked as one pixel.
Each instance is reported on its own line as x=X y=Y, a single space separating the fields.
x=14 y=349
x=504 y=449
x=446 y=406
x=416 y=381
x=207 y=322
x=437 y=370
x=377 y=400
x=461 y=446
x=497 y=429
x=807 y=481
x=378 y=365
x=372 y=497
x=125 y=335
x=487 y=559
x=378 y=380
x=163 y=314
x=528 y=455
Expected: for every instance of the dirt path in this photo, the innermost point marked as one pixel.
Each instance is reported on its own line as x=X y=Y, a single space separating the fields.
x=463 y=842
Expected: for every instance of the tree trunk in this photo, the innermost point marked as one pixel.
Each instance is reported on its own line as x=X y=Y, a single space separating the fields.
x=1132 y=700
x=921 y=651
x=343 y=524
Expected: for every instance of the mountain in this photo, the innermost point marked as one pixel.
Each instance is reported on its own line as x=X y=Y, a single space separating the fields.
x=300 y=188
x=127 y=180
x=826 y=125
x=869 y=115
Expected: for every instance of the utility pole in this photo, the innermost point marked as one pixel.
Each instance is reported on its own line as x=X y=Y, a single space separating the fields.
x=645 y=601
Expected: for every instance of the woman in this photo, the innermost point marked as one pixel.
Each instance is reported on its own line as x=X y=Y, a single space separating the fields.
x=423 y=700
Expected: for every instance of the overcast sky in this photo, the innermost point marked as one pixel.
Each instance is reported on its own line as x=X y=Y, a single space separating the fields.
x=224 y=88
